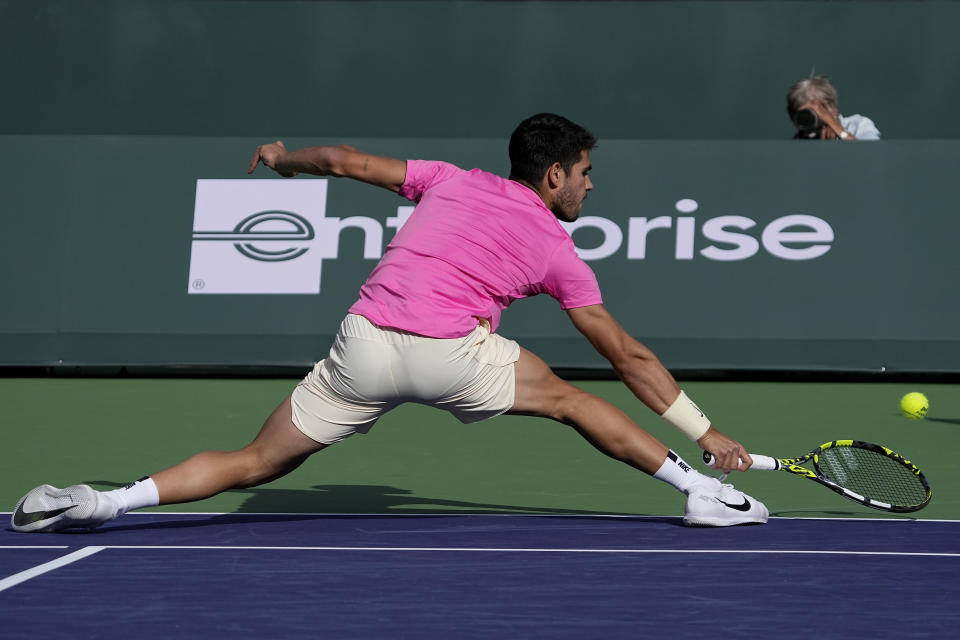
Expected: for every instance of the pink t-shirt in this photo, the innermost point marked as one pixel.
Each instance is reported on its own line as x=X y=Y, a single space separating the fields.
x=475 y=243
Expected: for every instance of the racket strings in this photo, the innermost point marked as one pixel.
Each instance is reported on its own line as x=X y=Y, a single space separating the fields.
x=873 y=475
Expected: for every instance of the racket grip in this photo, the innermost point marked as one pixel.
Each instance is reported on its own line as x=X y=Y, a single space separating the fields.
x=761 y=463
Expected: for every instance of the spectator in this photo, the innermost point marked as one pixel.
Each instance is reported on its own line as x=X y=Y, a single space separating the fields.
x=812 y=106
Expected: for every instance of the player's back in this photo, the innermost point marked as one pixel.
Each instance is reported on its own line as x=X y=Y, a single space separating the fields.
x=475 y=243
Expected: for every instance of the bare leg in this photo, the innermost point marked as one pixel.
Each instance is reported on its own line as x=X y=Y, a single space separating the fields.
x=277 y=450
x=540 y=392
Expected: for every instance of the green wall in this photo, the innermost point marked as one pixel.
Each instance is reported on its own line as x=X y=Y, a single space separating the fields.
x=630 y=70
x=114 y=110
x=104 y=266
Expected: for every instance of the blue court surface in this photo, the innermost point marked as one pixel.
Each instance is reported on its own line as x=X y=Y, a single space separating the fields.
x=159 y=575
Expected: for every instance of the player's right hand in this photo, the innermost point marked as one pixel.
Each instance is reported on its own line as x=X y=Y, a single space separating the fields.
x=729 y=454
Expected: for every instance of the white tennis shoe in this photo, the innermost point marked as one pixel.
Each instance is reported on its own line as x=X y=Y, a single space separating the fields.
x=712 y=504
x=46 y=508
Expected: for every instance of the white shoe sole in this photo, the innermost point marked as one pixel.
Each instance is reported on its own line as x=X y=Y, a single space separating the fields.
x=721 y=522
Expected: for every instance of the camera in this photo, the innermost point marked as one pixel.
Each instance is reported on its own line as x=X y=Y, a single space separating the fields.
x=808 y=125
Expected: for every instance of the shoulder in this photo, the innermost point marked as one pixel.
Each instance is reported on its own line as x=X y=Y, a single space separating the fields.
x=426 y=174
x=432 y=169
x=860 y=126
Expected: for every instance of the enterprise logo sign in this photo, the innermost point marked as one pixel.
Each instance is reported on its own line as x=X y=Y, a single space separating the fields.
x=260 y=236
x=272 y=236
x=251 y=234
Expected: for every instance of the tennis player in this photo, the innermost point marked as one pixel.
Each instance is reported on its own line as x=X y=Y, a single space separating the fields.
x=424 y=330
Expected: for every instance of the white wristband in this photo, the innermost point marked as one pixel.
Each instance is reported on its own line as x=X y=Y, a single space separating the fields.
x=687 y=417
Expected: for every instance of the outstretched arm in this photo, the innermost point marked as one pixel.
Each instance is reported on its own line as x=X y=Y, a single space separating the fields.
x=341 y=161
x=648 y=379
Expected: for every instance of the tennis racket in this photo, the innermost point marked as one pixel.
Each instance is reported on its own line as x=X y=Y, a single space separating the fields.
x=860 y=471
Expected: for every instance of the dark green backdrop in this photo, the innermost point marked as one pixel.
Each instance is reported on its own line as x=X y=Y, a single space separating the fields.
x=114 y=110
x=666 y=70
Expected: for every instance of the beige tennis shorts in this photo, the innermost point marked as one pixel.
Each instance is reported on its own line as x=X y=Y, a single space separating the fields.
x=371 y=370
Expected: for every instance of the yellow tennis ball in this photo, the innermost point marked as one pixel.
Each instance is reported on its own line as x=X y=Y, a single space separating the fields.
x=914 y=405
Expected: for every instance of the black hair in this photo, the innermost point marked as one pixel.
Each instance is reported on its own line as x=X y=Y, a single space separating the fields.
x=543 y=139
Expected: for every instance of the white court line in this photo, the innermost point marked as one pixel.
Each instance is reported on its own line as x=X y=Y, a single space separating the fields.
x=407 y=514
x=532 y=550
x=33 y=546
x=40 y=569
x=612 y=516
x=486 y=550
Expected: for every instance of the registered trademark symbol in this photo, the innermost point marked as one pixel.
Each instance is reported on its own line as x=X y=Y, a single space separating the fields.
x=199 y=284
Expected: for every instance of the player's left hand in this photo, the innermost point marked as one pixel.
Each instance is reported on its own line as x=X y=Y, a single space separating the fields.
x=268 y=155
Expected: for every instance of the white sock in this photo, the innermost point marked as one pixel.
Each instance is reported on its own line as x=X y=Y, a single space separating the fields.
x=677 y=473
x=136 y=495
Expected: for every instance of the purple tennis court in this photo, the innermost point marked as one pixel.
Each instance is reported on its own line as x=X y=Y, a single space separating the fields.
x=476 y=576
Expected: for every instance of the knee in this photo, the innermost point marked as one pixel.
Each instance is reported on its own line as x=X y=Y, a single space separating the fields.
x=257 y=466
x=569 y=403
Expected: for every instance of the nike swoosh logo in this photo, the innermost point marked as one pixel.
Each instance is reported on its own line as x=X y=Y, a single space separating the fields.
x=739 y=507
x=22 y=518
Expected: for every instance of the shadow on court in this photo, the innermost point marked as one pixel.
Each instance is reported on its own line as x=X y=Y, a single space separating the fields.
x=929 y=418
x=360 y=499
x=823 y=513
x=235 y=522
